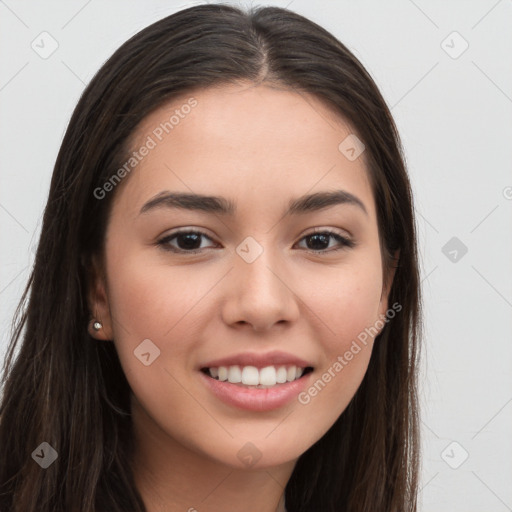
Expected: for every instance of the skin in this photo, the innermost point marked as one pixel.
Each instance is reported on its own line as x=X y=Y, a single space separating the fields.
x=260 y=147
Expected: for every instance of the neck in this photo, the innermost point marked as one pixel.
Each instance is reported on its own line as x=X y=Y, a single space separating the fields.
x=176 y=478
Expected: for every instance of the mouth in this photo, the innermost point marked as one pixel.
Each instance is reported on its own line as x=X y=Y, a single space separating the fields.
x=257 y=378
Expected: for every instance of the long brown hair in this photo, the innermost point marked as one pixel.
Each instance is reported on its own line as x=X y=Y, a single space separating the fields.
x=62 y=387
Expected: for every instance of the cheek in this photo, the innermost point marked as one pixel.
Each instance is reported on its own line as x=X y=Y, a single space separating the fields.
x=154 y=300
x=348 y=307
x=157 y=303
x=345 y=300
x=167 y=305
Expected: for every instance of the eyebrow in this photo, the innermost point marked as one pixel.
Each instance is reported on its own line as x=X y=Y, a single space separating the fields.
x=220 y=205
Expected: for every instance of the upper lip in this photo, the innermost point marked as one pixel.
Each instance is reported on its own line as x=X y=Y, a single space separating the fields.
x=275 y=358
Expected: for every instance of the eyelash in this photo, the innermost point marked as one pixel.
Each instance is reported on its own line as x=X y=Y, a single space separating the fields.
x=345 y=243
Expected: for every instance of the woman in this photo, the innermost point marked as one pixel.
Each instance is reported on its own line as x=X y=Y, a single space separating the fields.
x=224 y=312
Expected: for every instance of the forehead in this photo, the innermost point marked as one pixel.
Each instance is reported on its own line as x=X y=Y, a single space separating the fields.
x=243 y=141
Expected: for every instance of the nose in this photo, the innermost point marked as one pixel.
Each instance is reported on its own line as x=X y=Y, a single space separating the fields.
x=259 y=294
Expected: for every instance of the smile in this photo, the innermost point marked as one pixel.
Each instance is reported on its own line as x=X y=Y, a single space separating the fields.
x=259 y=378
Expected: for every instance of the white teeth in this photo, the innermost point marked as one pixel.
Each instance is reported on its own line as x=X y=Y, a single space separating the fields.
x=268 y=376
x=281 y=375
x=234 y=374
x=251 y=376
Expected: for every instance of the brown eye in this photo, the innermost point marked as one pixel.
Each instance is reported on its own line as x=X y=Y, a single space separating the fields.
x=186 y=241
x=319 y=241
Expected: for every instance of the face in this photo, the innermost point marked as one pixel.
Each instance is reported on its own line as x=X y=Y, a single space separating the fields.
x=259 y=284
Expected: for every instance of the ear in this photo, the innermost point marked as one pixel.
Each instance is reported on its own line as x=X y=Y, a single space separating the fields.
x=387 y=283
x=97 y=299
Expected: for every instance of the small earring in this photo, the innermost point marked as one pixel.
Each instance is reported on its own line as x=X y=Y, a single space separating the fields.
x=97 y=325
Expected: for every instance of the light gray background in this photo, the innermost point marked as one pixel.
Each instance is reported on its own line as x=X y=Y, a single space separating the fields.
x=454 y=115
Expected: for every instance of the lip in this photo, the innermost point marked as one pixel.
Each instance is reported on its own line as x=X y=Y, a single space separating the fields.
x=256 y=399
x=274 y=358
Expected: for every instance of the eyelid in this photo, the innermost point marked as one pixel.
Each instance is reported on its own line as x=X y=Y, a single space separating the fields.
x=343 y=233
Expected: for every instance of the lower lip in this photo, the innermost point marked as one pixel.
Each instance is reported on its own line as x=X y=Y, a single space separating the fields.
x=256 y=399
